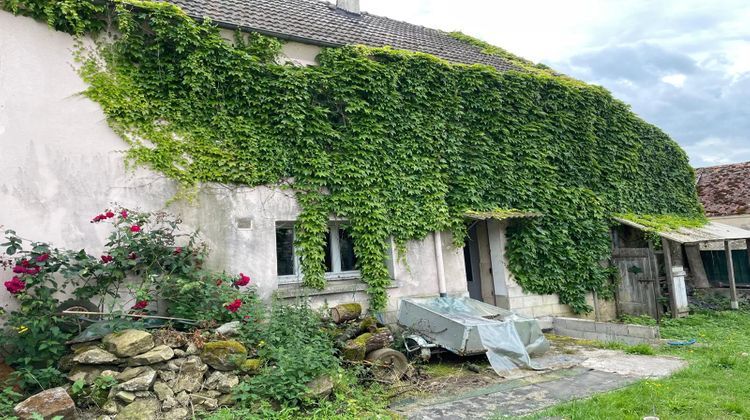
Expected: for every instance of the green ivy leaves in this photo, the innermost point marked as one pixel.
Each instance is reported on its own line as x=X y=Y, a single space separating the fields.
x=399 y=143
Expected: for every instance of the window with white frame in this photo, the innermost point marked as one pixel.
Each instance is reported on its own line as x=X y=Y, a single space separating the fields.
x=340 y=260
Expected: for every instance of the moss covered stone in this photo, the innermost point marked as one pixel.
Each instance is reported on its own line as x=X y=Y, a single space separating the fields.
x=251 y=365
x=224 y=355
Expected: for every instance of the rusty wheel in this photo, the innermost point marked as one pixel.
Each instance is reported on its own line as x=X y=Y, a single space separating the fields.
x=387 y=365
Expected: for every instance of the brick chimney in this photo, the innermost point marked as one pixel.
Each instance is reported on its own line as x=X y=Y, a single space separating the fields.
x=351 y=6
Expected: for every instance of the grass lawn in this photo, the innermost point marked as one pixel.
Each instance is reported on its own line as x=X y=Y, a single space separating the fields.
x=716 y=385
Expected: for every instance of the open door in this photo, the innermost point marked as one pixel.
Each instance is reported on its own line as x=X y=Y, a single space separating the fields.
x=471 y=261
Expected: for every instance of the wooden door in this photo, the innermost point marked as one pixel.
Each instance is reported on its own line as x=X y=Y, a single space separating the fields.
x=636 y=293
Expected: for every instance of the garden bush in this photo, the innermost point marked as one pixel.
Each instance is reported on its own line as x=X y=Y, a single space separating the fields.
x=147 y=261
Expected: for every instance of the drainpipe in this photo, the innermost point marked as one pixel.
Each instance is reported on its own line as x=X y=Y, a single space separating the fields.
x=438 y=240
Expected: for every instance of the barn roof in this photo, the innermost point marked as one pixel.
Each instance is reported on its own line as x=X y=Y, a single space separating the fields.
x=725 y=190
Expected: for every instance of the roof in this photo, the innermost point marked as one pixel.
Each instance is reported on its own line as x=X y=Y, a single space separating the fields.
x=725 y=190
x=321 y=23
x=710 y=232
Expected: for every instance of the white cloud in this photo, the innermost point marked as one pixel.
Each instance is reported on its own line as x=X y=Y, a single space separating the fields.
x=713 y=151
x=677 y=80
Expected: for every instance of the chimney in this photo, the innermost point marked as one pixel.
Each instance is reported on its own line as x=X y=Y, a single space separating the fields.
x=351 y=6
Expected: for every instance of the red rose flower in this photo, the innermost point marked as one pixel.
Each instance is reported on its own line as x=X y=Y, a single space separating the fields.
x=178 y=250
x=135 y=228
x=109 y=214
x=19 y=269
x=107 y=259
x=42 y=258
x=33 y=271
x=24 y=263
x=124 y=214
x=98 y=218
x=141 y=304
x=242 y=281
x=15 y=285
x=132 y=256
x=234 y=306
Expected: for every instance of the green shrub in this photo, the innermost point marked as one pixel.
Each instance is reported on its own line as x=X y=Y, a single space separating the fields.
x=8 y=399
x=295 y=349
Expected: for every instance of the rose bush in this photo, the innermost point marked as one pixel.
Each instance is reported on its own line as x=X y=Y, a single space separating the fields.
x=148 y=264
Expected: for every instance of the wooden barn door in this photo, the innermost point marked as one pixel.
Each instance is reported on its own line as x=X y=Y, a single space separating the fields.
x=636 y=294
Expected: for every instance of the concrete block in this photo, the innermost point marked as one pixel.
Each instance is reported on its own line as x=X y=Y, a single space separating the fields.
x=618 y=329
x=516 y=302
x=568 y=333
x=602 y=327
x=642 y=331
x=551 y=299
x=529 y=312
x=630 y=340
x=563 y=310
x=543 y=310
x=589 y=335
x=532 y=301
x=581 y=325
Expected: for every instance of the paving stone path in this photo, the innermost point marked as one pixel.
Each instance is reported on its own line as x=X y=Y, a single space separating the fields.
x=604 y=371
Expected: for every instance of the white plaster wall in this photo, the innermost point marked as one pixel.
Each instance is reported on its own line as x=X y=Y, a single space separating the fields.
x=299 y=54
x=292 y=52
x=60 y=164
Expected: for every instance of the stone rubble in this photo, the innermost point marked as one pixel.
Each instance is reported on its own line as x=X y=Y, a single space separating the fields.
x=159 y=376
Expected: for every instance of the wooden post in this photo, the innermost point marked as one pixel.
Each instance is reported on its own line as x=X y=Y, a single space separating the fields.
x=670 y=276
x=653 y=266
x=730 y=271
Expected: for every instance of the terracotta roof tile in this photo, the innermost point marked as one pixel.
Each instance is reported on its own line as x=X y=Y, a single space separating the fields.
x=725 y=190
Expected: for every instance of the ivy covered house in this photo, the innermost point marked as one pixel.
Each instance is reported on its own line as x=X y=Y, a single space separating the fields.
x=325 y=151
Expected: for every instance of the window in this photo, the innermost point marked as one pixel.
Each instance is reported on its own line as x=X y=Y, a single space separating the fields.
x=340 y=260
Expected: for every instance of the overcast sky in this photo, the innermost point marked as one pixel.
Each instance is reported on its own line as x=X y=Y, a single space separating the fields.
x=683 y=65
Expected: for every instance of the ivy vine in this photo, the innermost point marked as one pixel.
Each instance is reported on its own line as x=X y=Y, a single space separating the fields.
x=399 y=143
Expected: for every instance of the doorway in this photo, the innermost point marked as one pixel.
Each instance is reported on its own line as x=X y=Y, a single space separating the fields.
x=471 y=261
x=484 y=250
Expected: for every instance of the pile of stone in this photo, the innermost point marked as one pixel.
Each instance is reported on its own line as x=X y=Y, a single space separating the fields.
x=164 y=376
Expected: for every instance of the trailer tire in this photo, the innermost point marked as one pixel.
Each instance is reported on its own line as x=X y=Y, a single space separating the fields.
x=387 y=364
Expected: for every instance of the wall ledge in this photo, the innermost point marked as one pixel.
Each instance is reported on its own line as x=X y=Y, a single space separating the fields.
x=332 y=288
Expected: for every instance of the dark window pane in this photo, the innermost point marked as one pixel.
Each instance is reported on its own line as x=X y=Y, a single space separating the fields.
x=328 y=263
x=348 y=259
x=284 y=250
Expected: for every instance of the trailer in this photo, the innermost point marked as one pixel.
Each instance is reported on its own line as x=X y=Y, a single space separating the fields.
x=466 y=327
